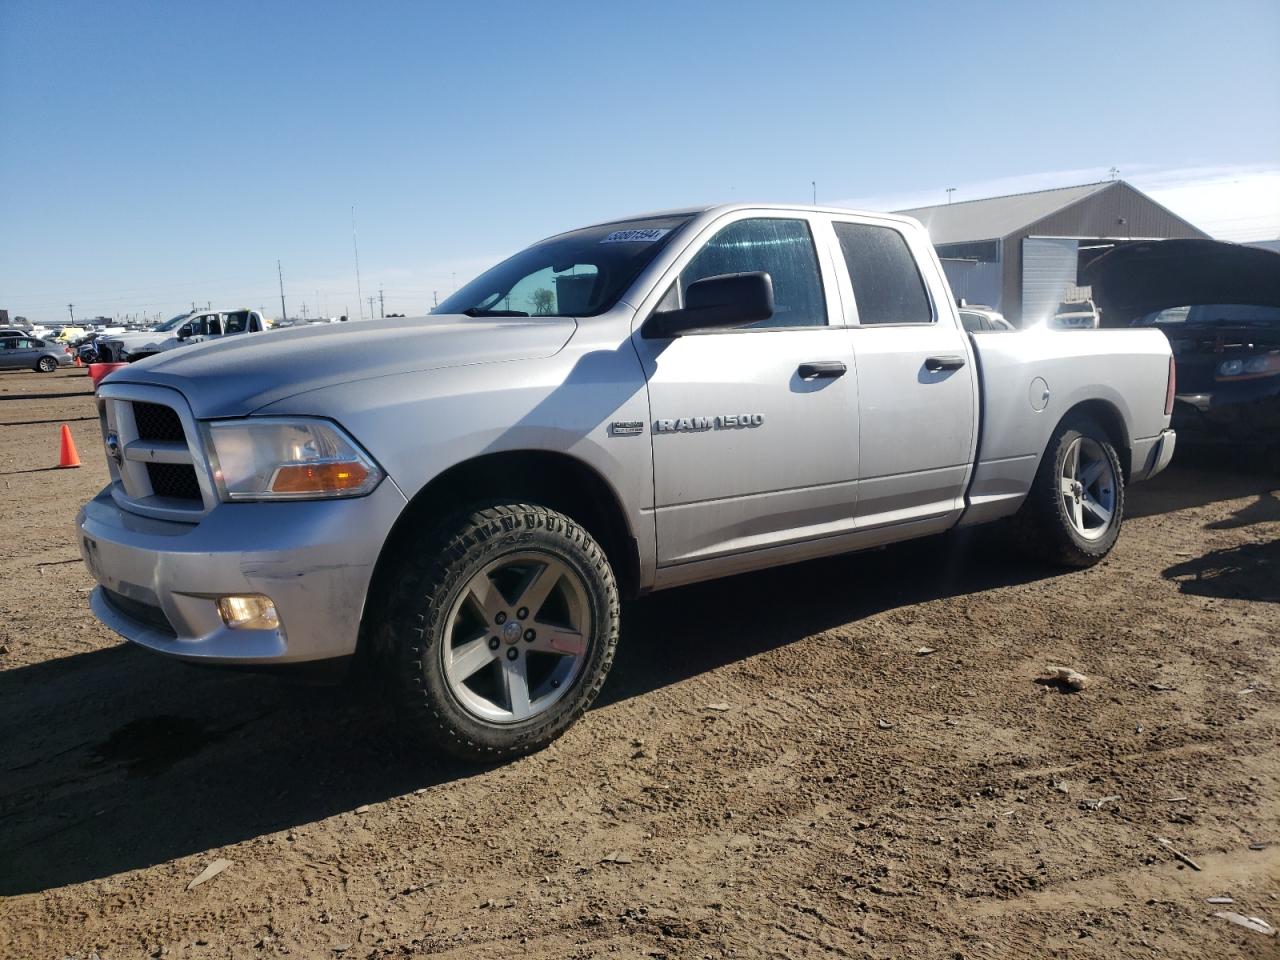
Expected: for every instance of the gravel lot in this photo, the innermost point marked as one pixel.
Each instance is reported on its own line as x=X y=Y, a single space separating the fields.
x=773 y=770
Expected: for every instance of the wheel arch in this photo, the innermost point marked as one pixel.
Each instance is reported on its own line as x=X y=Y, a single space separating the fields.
x=555 y=480
x=1111 y=420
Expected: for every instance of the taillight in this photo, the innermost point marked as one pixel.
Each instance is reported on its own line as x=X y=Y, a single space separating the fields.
x=1173 y=386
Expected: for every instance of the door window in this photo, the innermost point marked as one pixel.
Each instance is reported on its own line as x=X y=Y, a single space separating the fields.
x=886 y=282
x=781 y=248
x=237 y=322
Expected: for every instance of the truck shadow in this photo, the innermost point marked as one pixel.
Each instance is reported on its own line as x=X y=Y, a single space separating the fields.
x=1250 y=571
x=1199 y=478
x=117 y=759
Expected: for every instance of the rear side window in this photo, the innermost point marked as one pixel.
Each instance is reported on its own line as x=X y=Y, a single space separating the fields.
x=886 y=282
x=781 y=248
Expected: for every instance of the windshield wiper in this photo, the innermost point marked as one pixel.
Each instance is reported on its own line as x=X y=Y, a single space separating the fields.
x=480 y=312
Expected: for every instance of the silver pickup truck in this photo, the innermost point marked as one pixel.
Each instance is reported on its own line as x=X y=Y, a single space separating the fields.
x=186 y=329
x=463 y=499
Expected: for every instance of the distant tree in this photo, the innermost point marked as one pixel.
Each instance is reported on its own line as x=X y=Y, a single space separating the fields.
x=544 y=301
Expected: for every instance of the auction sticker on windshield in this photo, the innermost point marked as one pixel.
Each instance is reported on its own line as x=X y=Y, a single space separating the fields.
x=636 y=236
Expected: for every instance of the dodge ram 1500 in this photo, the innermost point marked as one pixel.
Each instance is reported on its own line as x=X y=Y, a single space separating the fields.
x=463 y=499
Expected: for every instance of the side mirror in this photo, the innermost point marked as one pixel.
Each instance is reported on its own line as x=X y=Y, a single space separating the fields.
x=729 y=300
x=184 y=331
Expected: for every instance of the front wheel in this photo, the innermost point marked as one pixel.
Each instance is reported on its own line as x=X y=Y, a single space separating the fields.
x=502 y=631
x=1073 y=513
x=47 y=365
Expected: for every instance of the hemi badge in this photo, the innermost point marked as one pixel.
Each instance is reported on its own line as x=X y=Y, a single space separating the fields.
x=626 y=428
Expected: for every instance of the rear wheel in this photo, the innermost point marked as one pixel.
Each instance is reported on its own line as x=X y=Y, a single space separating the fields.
x=502 y=631
x=1076 y=505
x=46 y=364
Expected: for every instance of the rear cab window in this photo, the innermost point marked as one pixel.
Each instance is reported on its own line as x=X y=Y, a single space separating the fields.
x=886 y=281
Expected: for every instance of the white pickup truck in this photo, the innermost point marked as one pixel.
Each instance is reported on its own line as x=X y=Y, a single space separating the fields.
x=185 y=329
x=463 y=499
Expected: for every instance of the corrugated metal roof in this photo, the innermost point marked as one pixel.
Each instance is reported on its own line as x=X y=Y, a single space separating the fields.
x=997 y=217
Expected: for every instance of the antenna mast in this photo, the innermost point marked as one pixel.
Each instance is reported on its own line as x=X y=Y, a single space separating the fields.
x=356 y=247
x=284 y=315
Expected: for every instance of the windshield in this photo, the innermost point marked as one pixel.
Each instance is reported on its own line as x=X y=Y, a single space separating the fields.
x=577 y=274
x=1210 y=314
x=171 y=324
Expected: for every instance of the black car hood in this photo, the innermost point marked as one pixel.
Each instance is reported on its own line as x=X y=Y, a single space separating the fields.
x=1139 y=278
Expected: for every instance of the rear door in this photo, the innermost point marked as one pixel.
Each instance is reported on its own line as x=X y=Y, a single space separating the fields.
x=917 y=386
x=752 y=448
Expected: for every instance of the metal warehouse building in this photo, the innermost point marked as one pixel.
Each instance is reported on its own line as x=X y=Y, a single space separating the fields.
x=1022 y=253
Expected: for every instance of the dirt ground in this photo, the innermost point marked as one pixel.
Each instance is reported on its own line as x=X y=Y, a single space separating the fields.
x=774 y=769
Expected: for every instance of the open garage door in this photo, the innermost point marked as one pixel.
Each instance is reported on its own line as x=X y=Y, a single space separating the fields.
x=1048 y=276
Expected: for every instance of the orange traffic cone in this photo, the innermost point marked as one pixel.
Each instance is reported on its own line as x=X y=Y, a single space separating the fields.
x=69 y=457
x=79 y=362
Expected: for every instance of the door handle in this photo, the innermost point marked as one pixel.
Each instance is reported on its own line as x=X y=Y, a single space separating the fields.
x=821 y=370
x=938 y=364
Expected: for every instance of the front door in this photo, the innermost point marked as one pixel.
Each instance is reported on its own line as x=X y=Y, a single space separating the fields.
x=754 y=429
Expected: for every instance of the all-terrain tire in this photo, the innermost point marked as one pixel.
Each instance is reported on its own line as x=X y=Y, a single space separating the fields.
x=429 y=580
x=1042 y=528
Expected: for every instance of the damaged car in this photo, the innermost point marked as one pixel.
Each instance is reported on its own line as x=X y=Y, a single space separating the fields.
x=1219 y=305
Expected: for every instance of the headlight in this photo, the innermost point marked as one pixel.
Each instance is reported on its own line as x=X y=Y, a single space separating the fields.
x=1262 y=365
x=274 y=458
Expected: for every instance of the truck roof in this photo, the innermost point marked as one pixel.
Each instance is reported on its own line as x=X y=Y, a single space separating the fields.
x=720 y=208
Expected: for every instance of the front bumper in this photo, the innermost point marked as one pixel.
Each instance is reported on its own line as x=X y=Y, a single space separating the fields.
x=1239 y=418
x=158 y=580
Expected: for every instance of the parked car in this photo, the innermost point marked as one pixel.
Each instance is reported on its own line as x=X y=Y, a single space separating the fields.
x=1076 y=315
x=1219 y=305
x=182 y=330
x=464 y=498
x=30 y=353
x=978 y=319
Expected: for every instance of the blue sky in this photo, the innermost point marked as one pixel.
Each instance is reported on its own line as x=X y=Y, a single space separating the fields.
x=159 y=153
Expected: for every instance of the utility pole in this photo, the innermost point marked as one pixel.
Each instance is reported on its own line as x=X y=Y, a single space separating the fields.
x=71 y=308
x=950 y=191
x=435 y=298
x=382 y=307
x=814 y=184
x=356 y=247
x=1115 y=172
x=371 y=299
x=304 y=309
x=284 y=314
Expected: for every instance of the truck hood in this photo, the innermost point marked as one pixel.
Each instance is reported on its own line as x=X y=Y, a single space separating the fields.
x=1139 y=278
x=236 y=375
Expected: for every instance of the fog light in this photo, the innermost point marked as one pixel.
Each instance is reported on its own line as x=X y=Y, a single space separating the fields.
x=248 y=613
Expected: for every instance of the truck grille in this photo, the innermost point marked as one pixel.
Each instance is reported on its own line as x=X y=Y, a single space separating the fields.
x=176 y=480
x=155 y=422
x=157 y=460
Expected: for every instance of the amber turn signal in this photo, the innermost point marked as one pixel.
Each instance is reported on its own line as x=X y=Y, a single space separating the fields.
x=319 y=477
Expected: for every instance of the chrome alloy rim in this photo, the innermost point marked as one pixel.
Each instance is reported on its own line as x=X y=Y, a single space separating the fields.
x=1088 y=488
x=517 y=637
